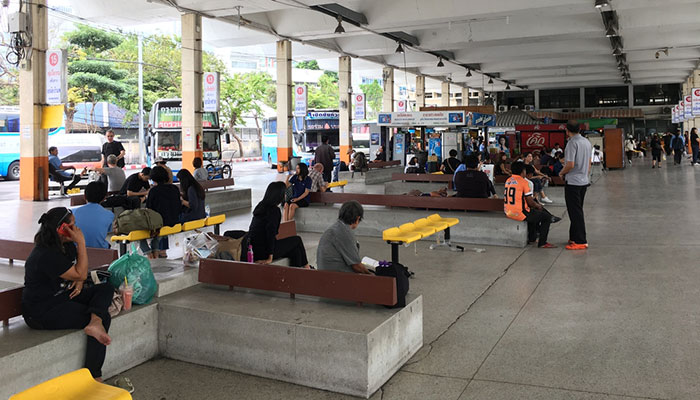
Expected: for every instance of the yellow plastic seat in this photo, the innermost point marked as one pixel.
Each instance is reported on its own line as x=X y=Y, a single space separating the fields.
x=437 y=225
x=132 y=236
x=437 y=173
x=438 y=218
x=196 y=224
x=396 y=235
x=76 y=385
x=216 y=220
x=338 y=184
x=411 y=227
x=170 y=230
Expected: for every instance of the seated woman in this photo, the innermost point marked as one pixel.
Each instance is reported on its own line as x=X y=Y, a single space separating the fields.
x=192 y=197
x=164 y=198
x=338 y=249
x=501 y=167
x=54 y=297
x=265 y=226
x=414 y=167
x=301 y=187
x=539 y=180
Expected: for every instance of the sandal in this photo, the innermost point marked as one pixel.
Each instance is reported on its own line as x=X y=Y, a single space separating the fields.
x=124 y=383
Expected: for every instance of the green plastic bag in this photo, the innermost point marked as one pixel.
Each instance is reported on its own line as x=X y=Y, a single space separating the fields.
x=137 y=270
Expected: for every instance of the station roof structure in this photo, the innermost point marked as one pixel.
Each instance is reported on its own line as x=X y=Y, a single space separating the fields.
x=534 y=44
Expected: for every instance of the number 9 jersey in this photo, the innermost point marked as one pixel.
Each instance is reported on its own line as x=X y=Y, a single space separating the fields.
x=514 y=203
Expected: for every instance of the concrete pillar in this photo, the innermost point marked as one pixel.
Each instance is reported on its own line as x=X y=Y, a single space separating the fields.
x=284 y=100
x=630 y=96
x=420 y=92
x=582 y=98
x=537 y=99
x=388 y=87
x=696 y=84
x=445 y=93
x=191 y=89
x=34 y=157
x=481 y=96
x=465 y=96
x=345 y=97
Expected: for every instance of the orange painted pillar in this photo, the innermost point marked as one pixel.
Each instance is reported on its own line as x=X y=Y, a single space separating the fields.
x=345 y=100
x=33 y=161
x=284 y=101
x=191 y=89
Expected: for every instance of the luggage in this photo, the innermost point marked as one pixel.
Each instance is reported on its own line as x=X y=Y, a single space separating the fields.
x=137 y=270
x=121 y=200
x=136 y=220
x=230 y=248
x=401 y=274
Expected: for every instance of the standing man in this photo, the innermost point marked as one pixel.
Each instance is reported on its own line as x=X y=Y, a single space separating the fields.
x=113 y=147
x=694 y=145
x=324 y=155
x=678 y=146
x=576 y=172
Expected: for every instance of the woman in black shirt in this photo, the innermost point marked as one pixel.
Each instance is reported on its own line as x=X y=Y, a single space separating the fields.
x=192 y=197
x=265 y=226
x=163 y=198
x=54 y=296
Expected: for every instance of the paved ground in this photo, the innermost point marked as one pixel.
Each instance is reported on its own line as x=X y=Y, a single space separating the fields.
x=619 y=321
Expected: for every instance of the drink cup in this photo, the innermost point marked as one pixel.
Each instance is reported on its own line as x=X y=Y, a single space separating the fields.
x=127 y=295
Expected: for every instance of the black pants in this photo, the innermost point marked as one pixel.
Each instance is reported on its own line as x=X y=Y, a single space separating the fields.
x=656 y=155
x=60 y=178
x=538 y=223
x=75 y=314
x=696 y=151
x=574 y=196
x=677 y=154
x=292 y=248
x=327 y=171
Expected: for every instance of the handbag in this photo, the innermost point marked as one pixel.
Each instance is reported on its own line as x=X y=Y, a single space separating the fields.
x=401 y=274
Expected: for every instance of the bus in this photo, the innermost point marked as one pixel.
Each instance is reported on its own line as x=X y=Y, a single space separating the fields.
x=269 y=141
x=165 y=131
x=78 y=150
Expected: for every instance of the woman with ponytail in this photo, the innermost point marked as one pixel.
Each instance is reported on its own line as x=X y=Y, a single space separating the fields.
x=54 y=296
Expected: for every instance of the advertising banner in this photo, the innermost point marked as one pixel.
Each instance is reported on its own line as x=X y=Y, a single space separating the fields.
x=211 y=91
x=401 y=105
x=673 y=115
x=688 y=111
x=300 y=102
x=359 y=100
x=681 y=111
x=56 y=77
x=422 y=118
x=695 y=101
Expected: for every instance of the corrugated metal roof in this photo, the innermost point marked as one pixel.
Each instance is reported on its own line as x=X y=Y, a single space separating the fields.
x=620 y=113
x=598 y=113
x=515 y=117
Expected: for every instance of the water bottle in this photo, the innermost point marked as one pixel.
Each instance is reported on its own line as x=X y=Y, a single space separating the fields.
x=206 y=210
x=250 y=253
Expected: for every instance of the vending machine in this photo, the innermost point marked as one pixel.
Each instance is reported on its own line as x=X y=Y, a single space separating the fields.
x=450 y=140
x=399 y=152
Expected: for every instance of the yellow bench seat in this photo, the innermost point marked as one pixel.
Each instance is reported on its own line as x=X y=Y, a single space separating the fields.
x=396 y=235
x=437 y=225
x=76 y=385
x=196 y=224
x=438 y=218
x=134 y=236
x=215 y=220
x=423 y=230
x=338 y=184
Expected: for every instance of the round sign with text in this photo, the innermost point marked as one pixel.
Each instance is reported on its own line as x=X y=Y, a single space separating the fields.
x=300 y=90
x=359 y=98
x=210 y=79
x=53 y=59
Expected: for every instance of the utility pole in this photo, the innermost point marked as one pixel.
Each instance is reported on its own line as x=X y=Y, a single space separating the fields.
x=142 y=141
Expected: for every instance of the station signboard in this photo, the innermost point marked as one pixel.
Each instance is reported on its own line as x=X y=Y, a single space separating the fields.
x=211 y=91
x=359 y=101
x=401 y=106
x=422 y=118
x=688 y=111
x=695 y=100
x=300 y=100
x=56 y=77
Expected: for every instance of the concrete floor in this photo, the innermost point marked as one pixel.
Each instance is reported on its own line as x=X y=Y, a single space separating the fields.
x=619 y=321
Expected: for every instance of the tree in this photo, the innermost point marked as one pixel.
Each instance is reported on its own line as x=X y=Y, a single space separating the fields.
x=242 y=94
x=311 y=64
x=373 y=94
x=326 y=94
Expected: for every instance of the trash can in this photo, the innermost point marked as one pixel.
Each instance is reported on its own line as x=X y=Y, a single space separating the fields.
x=293 y=162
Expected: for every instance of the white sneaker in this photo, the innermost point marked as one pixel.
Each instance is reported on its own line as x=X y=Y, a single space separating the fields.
x=546 y=200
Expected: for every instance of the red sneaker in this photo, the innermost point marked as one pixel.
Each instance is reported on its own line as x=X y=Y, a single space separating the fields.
x=576 y=246
x=547 y=246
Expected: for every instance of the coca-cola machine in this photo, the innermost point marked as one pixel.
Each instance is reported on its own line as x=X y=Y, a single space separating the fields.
x=537 y=137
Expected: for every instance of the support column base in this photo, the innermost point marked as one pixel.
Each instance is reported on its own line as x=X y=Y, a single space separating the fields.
x=34 y=178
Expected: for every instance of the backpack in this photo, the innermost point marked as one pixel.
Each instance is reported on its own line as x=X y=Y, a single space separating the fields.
x=360 y=162
x=401 y=274
x=677 y=143
x=136 y=220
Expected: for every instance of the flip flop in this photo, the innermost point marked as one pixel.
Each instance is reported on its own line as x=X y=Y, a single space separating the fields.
x=124 y=383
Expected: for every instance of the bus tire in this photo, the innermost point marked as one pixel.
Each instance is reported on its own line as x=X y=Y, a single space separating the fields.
x=13 y=171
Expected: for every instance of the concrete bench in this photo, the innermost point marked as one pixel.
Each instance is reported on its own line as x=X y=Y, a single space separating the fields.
x=372 y=176
x=444 y=179
x=556 y=180
x=418 y=202
x=324 y=344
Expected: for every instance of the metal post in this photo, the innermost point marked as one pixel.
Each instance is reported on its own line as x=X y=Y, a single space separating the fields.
x=142 y=142
x=395 y=253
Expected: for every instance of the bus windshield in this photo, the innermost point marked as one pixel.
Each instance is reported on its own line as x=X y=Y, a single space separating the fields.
x=170 y=116
x=170 y=144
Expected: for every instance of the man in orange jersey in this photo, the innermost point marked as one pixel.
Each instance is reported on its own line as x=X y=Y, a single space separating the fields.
x=519 y=205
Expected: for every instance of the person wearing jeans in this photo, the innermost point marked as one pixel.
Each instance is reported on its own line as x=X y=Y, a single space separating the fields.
x=577 y=156
x=694 y=145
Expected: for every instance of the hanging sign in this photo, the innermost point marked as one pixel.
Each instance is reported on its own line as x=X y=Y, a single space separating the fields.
x=680 y=110
x=401 y=106
x=359 y=100
x=422 y=118
x=695 y=102
x=211 y=92
x=674 y=120
x=688 y=111
x=300 y=98
x=56 y=82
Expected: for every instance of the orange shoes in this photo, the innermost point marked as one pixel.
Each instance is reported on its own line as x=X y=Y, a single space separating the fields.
x=576 y=246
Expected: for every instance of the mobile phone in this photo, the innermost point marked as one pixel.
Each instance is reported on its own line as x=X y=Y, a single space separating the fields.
x=62 y=230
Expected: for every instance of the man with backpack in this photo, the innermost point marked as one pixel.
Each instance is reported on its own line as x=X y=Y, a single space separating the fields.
x=325 y=155
x=678 y=145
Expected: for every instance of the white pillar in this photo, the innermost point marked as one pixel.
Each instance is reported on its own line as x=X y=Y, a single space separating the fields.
x=284 y=100
x=465 y=96
x=191 y=89
x=537 y=99
x=420 y=92
x=388 y=86
x=345 y=100
x=445 y=93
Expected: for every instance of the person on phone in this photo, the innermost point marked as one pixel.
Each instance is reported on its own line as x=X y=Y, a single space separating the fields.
x=300 y=183
x=265 y=226
x=192 y=197
x=54 y=296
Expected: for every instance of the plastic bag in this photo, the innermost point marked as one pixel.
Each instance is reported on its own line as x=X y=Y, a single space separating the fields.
x=198 y=246
x=137 y=270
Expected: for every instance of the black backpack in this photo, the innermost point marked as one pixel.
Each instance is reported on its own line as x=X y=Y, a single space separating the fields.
x=401 y=274
x=677 y=143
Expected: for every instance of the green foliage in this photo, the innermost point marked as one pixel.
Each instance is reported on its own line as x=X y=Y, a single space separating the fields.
x=106 y=88
x=93 y=39
x=332 y=74
x=9 y=93
x=311 y=64
x=326 y=94
x=243 y=94
x=97 y=67
x=373 y=93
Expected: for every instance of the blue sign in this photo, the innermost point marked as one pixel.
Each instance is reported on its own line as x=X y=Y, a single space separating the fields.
x=479 y=119
x=384 y=118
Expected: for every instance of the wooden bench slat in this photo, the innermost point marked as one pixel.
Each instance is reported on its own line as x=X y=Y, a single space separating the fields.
x=326 y=284
x=438 y=203
x=10 y=303
x=382 y=164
